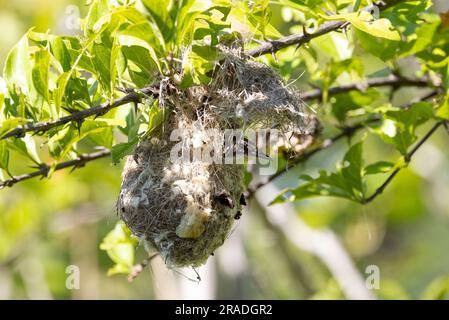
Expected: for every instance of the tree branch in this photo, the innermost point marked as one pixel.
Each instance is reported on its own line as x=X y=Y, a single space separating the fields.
x=301 y=39
x=294 y=39
x=346 y=132
x=408 y=158
x=81 y=115
x=268 y=47
x=44 y=168
x=391 y=80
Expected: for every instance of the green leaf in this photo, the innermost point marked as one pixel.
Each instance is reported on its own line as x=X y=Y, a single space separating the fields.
x=365 y=22
x=40 y=73
x=104 y=61
x=398 y=126
x=60 y=52
x=380 y=47
x=61 y=84
x=27 y=147
x=443 y=110
x=97 y=10
x=197 y=63
x=64 y=140
x=4 y=155
x=103 y=137
x=120 y=247
x=437 y=290
x=141 y=28
x=194 y=14
x=17 y=66
x=80 y=56
x=121 y=150
x=141 y=66
x=162 y=13
x=347 y=182
x=344 y=103
x=256 y=17
x=379 y=167
x=352 y=171
x=9 y=124
x=421 y=39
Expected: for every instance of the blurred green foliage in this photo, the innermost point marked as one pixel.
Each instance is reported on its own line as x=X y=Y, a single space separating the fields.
x=46 y=225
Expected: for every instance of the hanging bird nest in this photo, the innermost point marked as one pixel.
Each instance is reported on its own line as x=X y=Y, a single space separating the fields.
x=185 y=210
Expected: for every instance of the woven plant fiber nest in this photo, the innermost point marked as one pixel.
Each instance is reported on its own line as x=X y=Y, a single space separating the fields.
x=186 y=210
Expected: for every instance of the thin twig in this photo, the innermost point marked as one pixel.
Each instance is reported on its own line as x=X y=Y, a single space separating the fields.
x=392 y=80
x=45 y=168
x=407 y=158
x=138 y=268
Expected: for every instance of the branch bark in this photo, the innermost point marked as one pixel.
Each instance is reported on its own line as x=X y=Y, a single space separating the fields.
x=391 y=80
x=268 y=47
x=81 y=115
x=44 y=168
x=294 y=39
x=133 y=96
x=301 y=39
x=83 y=159
x=348 y=132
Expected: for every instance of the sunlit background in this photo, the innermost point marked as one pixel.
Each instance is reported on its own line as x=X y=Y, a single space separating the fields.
x=298 y=251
